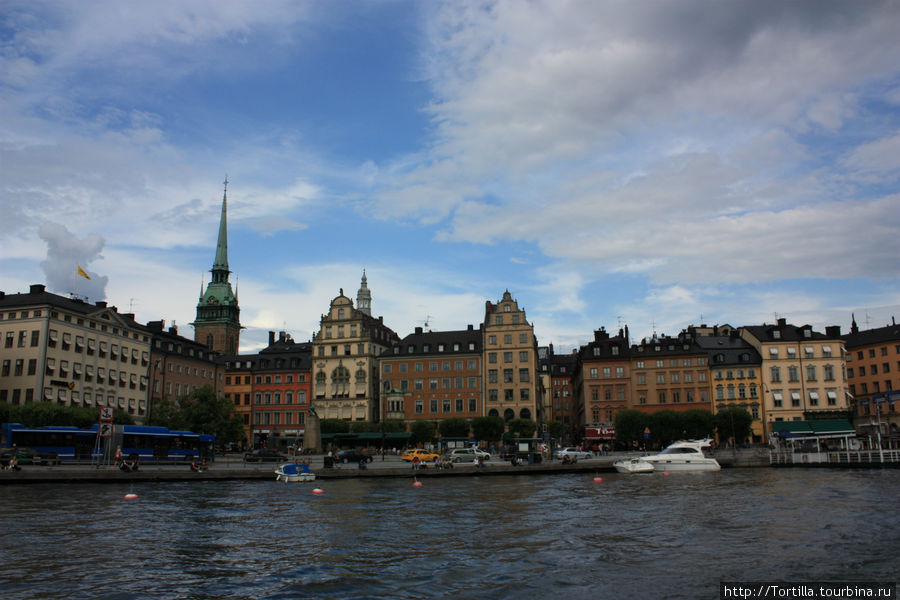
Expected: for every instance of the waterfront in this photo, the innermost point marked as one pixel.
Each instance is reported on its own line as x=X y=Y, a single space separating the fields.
x=652 y=536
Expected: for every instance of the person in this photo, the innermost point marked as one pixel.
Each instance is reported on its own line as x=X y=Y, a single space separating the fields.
x=118 y=456
x=14 y=463
x=437 y=462
x=415 y=463
x=194 y=466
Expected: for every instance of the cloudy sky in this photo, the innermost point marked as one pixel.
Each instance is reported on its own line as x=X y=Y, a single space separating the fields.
x=650 y=164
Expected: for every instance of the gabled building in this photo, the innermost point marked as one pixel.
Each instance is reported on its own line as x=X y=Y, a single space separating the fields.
x=669 y=373
x=433 y=375
x=511 y=367
x=802 y=372
x=72 y=353
x=178 y=366
x=736 y=375
x=603 y=378
x=873 y=377
x=344 y=364
x=281 y=393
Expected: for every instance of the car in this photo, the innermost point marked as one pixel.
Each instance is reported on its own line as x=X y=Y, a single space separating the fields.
x=356 y=456
x=573 y=452
x=467 y=455
x=29 y=456
x=264 y=455
x=419 y=453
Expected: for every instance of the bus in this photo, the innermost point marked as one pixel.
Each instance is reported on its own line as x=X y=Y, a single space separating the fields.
x=137 y=441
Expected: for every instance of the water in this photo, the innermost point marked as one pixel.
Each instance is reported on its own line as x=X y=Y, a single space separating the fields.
x=638 y=536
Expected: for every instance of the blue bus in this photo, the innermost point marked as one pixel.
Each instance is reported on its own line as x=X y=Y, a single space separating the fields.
x=137 y=441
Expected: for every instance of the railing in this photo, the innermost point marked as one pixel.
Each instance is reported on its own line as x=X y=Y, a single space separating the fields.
x=852 y=457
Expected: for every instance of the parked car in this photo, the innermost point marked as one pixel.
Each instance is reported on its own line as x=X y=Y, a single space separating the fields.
x=409 y=455
x=356 y=456
x=466 y=455
x=29 y=456
x=264 y=455
x=573 y=452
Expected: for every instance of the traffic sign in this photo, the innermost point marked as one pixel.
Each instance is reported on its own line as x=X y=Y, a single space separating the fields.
x=106 y=414
x=106 y=430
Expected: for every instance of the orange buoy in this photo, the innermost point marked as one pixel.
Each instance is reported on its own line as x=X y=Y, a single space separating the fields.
x=665 y=472
x=417 y=483
x=131 y=496
x=598 y=479
x=318 y=491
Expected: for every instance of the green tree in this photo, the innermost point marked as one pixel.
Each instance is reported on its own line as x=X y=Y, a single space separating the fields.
x=166 y=412
x=394 y=426
x=205 y=412
x=334 y=426
x=364 y=427
x=557 y=429
x=523 y=428
x=42 y=414
x=488 y=429
x=697 y=424
x=665 y=427
x=422 y=432
x=734 y=423
x=630 y=425
x=454 y=428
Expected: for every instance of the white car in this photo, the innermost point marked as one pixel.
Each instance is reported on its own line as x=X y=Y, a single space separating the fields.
x=467 y=455
x=573 y=452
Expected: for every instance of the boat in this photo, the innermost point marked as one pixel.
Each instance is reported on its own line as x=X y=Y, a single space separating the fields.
x=293 y=472
x=684 y=455
x=633 y=465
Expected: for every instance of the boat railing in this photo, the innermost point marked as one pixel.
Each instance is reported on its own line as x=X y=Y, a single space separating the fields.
x=843 y=457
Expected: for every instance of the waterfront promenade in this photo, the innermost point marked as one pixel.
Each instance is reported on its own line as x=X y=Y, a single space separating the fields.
x=234 y=468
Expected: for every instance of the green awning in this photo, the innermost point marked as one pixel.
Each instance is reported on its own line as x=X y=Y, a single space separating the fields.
x=791 y=427
x=814 y=427
x=831 y=426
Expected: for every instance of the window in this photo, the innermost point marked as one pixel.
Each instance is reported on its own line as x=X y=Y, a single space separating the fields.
x=507 y=375
x=523 y=375
x=507 y=356
x=593 y=373
x=492 y=375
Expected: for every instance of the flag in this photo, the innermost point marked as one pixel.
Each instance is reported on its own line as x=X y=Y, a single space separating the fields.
x=83 y=273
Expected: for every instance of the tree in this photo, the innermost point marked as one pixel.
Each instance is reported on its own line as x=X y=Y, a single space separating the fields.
x=488 y=429
x=422 y=432
x=698 y=424
x=334 y=426
x=166 y=412
x=523 y=428
x=557 y=429
x=205 y=412
x=454 y=428
x=630 y=425
x=364 y=427
x=665 y=427
x=42 y=414
x=393 y=426
x=734 y=423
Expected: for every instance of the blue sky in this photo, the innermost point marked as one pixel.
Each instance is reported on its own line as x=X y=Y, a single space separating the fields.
x=651 y=164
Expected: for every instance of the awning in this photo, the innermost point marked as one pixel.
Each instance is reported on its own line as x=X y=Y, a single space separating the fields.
x=787 y=429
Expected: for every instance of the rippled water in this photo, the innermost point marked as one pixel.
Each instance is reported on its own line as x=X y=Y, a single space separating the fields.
x=644 y=536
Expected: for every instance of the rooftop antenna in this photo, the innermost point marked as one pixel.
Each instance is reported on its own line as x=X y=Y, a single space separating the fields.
x=619 y=319
x=131 y=305
x=427 y=321
x=867 y=318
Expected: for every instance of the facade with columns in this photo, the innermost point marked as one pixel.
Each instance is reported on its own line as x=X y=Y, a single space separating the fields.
x=344 y=352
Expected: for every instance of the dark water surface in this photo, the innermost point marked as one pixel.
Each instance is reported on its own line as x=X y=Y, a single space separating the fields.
x=559 y=536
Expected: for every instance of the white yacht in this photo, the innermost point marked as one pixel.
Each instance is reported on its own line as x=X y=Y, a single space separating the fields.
x=683 y=456
x=633 y=465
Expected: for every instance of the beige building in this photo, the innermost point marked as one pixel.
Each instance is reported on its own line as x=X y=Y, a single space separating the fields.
x=57 y=349
x=802 y=371
x=511 y=362
x=344 y=365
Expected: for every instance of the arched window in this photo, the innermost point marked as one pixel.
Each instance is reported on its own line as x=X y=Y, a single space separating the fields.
x=340 y=382
x=493 y=413
x=320 y=378
x=509 y=414
x=340 y=313
x=361 y=376
x=525 y=413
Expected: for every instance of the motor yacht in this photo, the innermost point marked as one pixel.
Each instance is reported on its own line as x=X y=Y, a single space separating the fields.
x=633 y=465
x=684 y=455
x=293 y=472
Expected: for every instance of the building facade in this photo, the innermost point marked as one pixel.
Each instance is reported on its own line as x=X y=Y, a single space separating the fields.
x=669 y=373
x=433 y=376
x=72 y=353
x=603 y=378
x=218 y=324
x=239 y=390
x=510 y=368
x=802 y=371
x=344 y=363
x=873 y=377
x=563 y=404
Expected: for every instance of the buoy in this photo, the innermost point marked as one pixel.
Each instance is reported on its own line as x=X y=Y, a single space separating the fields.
x=665 y=472
x=417 y=483
x=318 y=491
x=131 y=496
x=598 y=479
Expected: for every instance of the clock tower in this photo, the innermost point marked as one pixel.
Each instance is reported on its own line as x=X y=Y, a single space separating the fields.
x=218 y=324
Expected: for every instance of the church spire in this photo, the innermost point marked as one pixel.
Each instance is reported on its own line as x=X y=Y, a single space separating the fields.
x=364 y=297
x=221 y=262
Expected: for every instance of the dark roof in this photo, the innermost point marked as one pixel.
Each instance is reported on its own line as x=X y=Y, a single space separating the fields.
x=789 y=333
x=38 y=295
x=880 y=335
x=728 y=350
x=415 y=344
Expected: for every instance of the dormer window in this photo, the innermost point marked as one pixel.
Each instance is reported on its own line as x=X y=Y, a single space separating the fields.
x=776 y=334
x=507 y=308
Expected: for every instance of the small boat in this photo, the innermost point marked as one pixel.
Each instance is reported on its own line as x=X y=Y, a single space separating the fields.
x=633 y=465
x=684 y=455
x=293 y=472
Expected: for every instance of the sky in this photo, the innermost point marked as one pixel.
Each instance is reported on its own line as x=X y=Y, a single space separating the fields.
x=652 y=164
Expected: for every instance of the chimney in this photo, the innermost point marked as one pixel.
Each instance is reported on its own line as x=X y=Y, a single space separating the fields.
x=271 y=338
x=833 y=331
x=173 y=329
x=100 y=304
x=36 y=289
x=471 y=327
x=782 y=322
x=156 y=326
x=418 y=331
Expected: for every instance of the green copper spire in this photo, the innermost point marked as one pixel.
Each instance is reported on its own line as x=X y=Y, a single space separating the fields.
x=221 y=263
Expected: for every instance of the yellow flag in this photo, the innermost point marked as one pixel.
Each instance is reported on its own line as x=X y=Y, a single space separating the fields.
x=83 y=273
